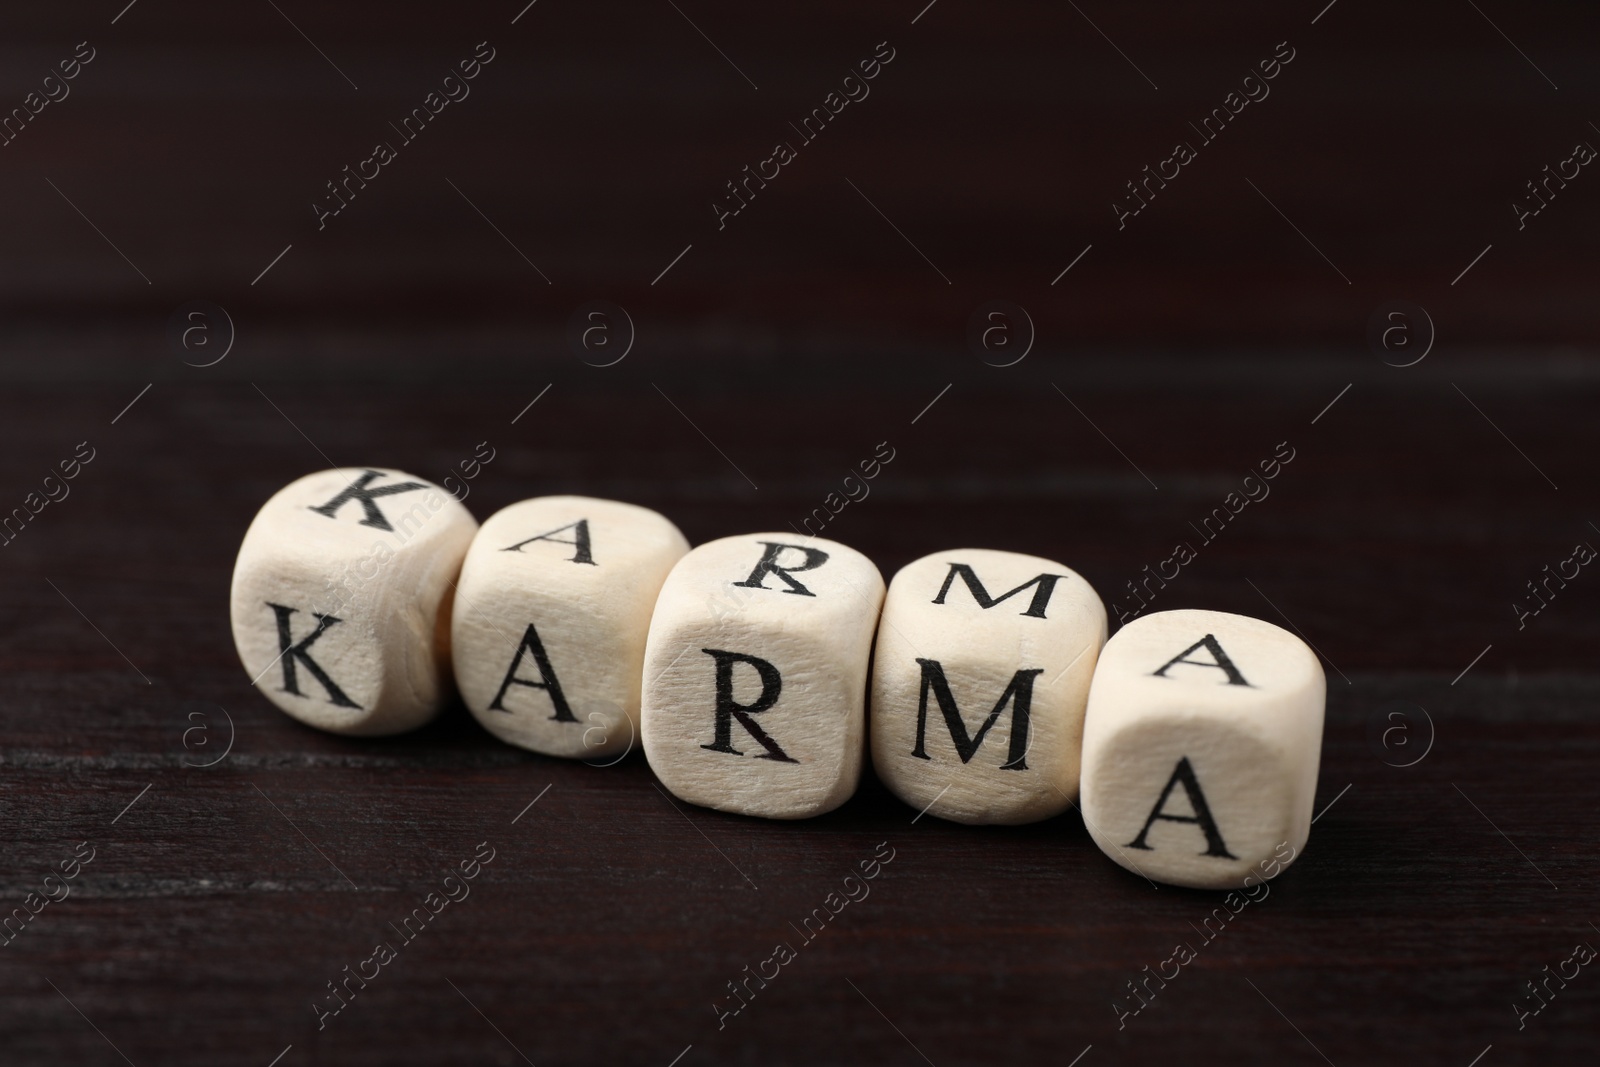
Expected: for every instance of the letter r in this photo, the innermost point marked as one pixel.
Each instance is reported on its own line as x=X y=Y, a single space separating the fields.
x=768 y=564
x=728 y=710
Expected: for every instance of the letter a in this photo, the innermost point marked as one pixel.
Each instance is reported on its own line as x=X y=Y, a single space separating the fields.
x=1202 y=813
x=729 y=709
x=289 y=651
x=1220 y=661
x=580 y=539
x=357 y=490
x=547 y=678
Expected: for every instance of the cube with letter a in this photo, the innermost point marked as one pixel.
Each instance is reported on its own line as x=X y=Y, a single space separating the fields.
x=755 y=674
x=979 y=682
x=1200 y=747
x=341 y=598
x=550 y=620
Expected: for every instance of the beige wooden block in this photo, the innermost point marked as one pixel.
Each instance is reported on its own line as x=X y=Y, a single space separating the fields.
x=550 y=621
x=1201 y=746
x=755 y=674
x=341 y=598
x=979 y=682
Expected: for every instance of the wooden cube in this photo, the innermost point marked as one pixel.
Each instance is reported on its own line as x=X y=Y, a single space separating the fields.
x=755 y=674
x=978 y=685
x=1200 y=747
x=551 y=616
x=341 y=598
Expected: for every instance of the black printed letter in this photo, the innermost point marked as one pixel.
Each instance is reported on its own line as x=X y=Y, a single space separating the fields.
x=1019 y=694
x=1202 y=812
x=1041 y=596
x=289 y=651
x=728 y=709
x=547 y=678
x=768 y=564
x=1220 y=662
x=580 y=538
x=357 y=490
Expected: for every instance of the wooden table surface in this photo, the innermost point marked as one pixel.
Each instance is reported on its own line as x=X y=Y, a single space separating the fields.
x=241 y=861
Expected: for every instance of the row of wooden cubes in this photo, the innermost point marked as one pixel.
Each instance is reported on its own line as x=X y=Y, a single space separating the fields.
x=580 y=627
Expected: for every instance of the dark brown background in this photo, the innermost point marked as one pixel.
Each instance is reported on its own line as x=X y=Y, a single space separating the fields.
x=798 y=338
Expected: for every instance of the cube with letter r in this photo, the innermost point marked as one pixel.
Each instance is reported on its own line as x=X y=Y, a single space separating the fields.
x=755 y=674
x=1201 y=745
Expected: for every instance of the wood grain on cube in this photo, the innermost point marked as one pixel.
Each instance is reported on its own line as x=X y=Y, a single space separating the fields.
x=979 y=683
x=1201 y=747
x=341 y=598
x=756 y=673
x=550 y=621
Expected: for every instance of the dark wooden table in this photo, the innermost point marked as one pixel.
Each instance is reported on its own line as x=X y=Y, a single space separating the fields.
x=242 y=861
x=220 y=903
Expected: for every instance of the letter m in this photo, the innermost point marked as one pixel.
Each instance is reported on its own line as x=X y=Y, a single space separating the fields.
x=1045 y=585
x=1019 y=694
